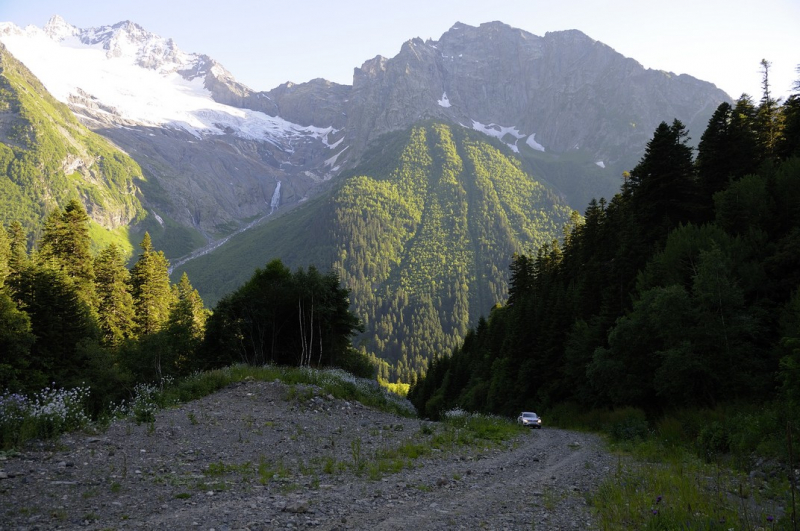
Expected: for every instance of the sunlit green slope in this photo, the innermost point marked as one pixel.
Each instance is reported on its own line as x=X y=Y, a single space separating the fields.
x=422 y=234
x=48 y=158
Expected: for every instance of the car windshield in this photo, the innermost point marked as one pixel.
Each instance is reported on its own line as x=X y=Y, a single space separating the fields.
x=529 y=415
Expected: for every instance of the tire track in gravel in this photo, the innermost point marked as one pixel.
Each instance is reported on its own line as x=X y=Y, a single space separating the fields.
x=542 y=483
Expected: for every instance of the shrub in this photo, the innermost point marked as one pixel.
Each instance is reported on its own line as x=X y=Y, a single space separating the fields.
x=713 y=440
x=627 y=424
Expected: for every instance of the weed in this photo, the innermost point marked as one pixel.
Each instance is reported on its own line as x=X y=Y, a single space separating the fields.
x=268 y=472
x=355 y=452
x=192 y=418
x=183 y=495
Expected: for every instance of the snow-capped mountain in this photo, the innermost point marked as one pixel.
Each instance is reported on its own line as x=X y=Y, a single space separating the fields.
x=217 y=151
x=218 y=154
x=122 y=74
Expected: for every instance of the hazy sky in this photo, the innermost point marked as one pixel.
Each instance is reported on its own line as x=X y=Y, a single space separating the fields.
x=264 y=43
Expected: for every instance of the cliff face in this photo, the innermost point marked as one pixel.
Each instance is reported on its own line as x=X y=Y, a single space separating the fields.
x=570 y=91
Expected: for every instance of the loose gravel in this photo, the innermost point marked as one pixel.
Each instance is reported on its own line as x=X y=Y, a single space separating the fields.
x=264 y=455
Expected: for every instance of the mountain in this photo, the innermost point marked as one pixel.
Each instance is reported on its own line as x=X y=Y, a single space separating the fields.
x=215 y=151
x=417 y=183
x=562 y=99
x=48 y=158
x=211 y=167
x=421 y=233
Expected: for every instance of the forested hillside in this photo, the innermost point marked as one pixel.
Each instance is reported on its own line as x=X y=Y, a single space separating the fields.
x=47 y=158
x=421 y=235
x=69 y=319
x=683 y=290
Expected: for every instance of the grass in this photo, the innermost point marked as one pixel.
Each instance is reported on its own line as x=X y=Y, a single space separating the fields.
x=691 y=469
x=682 y=492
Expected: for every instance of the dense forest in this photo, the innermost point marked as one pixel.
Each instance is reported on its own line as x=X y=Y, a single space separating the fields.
x=421 y=234
x=69 y=319
x=683 y=290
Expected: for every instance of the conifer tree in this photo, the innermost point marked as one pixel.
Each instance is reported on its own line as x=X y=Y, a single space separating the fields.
x=66 y=243
x=18 y=242
x=663 y=184
x=60 y=320
x=15 y=344
x=729 y=149
x=186 y=325
x=150 y=289
x=769 y=117
x=115 y=303
x=5 y=255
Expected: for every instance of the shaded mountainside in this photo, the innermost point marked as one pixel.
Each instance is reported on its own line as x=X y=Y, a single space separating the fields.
x=47 y=158
x=422 y=234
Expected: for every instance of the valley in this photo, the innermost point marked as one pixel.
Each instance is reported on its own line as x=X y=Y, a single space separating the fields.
x=423 y=249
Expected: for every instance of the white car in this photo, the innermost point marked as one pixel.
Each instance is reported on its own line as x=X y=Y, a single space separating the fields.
x=529 y=419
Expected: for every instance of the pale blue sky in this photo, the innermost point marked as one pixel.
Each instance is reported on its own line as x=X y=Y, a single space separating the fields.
x=265 y=43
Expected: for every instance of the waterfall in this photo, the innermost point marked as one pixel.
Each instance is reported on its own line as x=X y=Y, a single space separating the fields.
x=276 y=198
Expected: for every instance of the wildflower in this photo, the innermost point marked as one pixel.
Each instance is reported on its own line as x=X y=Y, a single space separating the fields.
x=655 y=512
x=770 y=518
x=658 y=500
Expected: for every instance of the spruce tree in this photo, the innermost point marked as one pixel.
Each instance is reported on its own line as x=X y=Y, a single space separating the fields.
x=150 y=289
x=186 y=325
x=15 y=344
x=115 y=303
x=66 y=243
x=18 y=242
x=5 y=255
x=769 y=117
x=663 y=185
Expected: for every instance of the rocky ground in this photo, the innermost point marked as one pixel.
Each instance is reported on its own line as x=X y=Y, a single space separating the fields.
x=264 y=455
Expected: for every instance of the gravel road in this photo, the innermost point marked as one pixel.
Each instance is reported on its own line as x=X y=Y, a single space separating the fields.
x=262 y=455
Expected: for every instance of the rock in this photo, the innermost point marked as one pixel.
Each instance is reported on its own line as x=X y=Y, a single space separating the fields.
x=297 y=506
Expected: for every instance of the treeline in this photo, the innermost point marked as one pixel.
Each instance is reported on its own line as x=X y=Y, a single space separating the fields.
x=279 y=317
x=681 y=291
x=68 y=318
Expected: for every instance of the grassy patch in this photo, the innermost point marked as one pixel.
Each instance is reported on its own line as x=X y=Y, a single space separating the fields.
x=682 y=492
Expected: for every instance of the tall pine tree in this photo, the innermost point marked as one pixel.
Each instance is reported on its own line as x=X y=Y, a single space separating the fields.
x=150 y=289
x=115 y=303
x=66 y=244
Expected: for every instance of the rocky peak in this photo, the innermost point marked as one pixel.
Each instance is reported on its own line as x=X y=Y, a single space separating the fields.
x=571 y=91
x=59 y=29
x=318 y=102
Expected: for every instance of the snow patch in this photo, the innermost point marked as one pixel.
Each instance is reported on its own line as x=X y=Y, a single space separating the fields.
x=158 y=218
x=444 y=102
x=331 y=161
x=601 y=164
x=533 y=143
x=499 y=132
